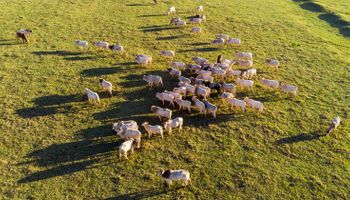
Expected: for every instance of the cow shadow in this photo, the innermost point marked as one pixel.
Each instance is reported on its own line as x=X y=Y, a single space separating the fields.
x=313 y=7
x=56 y=53
x=143 y=194
x=79 y=58
x=156 y=28
x=50 y=105
x=67 y=158
x=101 y=71
x=8 y=42
x=139 y=4
x=332 y=19
x=199 y=44
x=302 y=137
x=336 y=22
x=170 y=37
x=96 y=132
x=67 y=55
x=203 y=49
x=152 y=15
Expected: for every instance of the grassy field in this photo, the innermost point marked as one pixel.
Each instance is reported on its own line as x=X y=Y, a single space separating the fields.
x=54 y=145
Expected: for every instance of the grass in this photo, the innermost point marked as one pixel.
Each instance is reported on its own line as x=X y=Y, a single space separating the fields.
x=54 y=145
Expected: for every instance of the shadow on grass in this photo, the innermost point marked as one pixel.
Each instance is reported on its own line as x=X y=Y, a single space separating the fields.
x=56 y=53
x=204 y=49
x=299 y=138
x=332 y=19
x=96 y=132
x=100 y=71
x=50 y=105
x=57 y=99
x=78 y=58
x=142 y=194
x=68 y=55
x=152 y=15
x=43 y=111
x=139 y=4
x=336 y=22
x=156 y=28
x=313 y=7
x=5 y=42
x=127 y=63
x=199 y=44
x=67 y=158
x=170 y=37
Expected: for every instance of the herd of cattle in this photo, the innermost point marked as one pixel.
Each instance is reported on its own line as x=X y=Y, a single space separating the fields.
x=193 y=90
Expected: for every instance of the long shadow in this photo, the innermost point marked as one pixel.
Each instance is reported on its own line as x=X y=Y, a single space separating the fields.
x=50 y=105
x=128 y=63
x=133 y=80
x=93 y=150
x=96 y=132
x=299 y=138
x=43 y=111
x=138 y=4
x=5 y=42
x=204 y=49
x=313 y=7
x=56 y=53
x=207 y=49
x=56 y=171
x=200 y=120
x=336 y=22
x=156 y=28
x=199 y=43
x=126 y=109
x=153 y=26
x=78 y=58
x=142 y=194
x=57 y=99
x=332 y=19
x=152 y=15
x=100 y=71
x=170 y=37
x=68 y=55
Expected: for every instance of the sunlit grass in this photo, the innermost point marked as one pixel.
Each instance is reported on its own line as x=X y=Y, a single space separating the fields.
x=54 y=145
